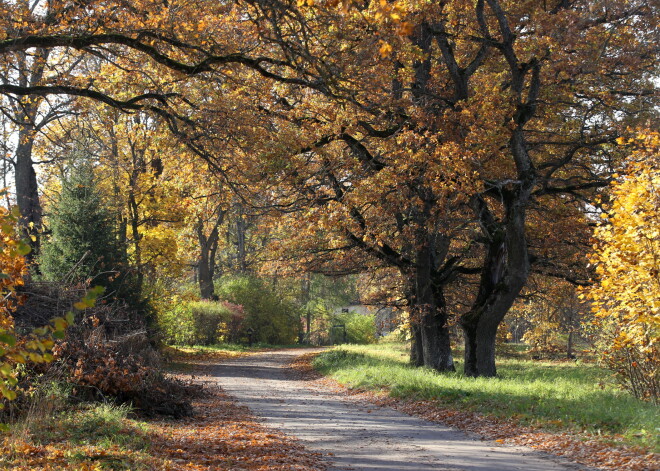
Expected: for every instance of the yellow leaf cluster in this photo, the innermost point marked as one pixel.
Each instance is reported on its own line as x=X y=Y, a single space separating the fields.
x=626 y=300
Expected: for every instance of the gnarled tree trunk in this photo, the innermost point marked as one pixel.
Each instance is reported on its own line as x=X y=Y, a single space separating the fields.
x=431 y=345
x=505 y=270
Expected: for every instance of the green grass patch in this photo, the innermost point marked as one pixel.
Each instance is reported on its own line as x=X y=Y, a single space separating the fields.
x=75 y=436
x=103 y=425
x=553 y=395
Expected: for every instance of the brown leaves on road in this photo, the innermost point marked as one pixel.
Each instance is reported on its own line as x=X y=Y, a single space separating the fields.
x=584 y=448
x=224 y=435
x=221 y=435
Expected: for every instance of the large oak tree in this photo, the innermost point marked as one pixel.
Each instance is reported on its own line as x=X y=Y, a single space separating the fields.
x=428 y=160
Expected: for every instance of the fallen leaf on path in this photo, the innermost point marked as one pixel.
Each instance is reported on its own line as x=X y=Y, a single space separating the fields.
x=583 y=448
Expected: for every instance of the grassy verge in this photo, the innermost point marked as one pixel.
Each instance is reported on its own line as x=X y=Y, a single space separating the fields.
x=552 y=395
x=91 y=436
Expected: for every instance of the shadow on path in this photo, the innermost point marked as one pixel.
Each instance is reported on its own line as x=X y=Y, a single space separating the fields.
x=359 y=436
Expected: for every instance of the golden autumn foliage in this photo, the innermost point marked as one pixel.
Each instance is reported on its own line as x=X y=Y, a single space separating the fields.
x=439 y=139
x=626 y=300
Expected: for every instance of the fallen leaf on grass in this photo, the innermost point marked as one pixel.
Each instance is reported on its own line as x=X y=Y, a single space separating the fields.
x=583 y=448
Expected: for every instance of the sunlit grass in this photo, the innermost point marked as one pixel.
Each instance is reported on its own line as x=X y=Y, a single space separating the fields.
x=557 y=395
x=84 y=436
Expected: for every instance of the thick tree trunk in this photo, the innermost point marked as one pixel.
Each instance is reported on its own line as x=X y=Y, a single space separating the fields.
x=416 y=351
x=430 y=344
x=481 y=322
x=506 y=269
x=436 y=346
x=429 y=312
x=480 y=329
x=206 y=288
x=486 y=342
x=27 y=193
x=206 y=265
x=470 y=355
x=491 y=276
x=30 y=70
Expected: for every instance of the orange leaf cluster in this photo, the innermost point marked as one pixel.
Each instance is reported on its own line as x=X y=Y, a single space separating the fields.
x=224 y=435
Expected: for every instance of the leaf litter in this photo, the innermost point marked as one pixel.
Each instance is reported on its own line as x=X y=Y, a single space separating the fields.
x=586 y=449
x=221 y=435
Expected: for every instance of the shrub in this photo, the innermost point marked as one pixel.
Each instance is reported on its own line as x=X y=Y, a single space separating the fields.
x=176 y=325
x=627 y=260
x=274 y=319
x=215 y=322
x=99 y=369
x=201 y=323
x=232 y=329
x=360 y=329
x=207 y=317
x=173 y=318
x=105 y=356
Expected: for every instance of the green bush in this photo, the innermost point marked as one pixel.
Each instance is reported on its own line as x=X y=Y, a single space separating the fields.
x=176 y=325
x=274 y=319
x=208 y=318
x=360 y=329
x=195 y=323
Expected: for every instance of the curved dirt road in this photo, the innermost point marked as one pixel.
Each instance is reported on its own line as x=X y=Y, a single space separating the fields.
x=355 y=436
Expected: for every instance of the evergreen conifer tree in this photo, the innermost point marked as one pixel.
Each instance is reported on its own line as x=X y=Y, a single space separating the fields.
x=83 y=243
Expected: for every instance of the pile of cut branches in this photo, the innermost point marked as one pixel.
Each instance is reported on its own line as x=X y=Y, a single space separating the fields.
x=106 y=356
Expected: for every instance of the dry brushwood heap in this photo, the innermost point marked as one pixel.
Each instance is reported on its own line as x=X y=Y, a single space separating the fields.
x=106 y=355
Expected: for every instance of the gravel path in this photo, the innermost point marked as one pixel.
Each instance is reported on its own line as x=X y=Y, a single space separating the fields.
x=356 y=436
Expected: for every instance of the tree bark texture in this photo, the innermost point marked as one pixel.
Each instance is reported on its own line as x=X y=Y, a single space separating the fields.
x=429 y=312
x=27 y=193
x=416 y=351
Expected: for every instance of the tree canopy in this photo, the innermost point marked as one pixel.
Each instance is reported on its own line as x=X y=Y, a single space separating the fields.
x=457 y=146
